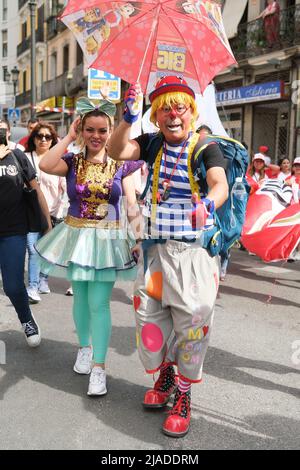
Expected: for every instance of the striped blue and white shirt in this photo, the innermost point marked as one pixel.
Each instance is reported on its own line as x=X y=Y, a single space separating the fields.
x=171 y=216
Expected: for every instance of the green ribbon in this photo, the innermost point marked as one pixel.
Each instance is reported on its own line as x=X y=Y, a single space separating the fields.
x=84 y=106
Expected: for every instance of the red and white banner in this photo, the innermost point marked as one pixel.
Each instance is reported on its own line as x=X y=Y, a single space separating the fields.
x=272 y=225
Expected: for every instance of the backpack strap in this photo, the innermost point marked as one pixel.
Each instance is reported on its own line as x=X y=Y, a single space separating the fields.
x=194 y=186
x=153 y=147
x=23 y=179
x=197 y=163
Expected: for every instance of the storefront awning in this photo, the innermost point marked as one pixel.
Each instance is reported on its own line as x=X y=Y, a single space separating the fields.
x=232 y=15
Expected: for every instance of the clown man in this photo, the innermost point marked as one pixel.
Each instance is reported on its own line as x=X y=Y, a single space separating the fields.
x=178 y=278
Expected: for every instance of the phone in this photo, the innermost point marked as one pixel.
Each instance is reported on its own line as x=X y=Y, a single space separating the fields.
x=3 y=139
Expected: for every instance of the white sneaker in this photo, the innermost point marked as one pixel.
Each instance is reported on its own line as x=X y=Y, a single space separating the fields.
x=32 y=332
x=83 y=361
x=33 y=295
x=97 y=385
x=43 y=287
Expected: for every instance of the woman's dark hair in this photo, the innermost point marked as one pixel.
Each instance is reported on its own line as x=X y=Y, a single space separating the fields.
x=281 y=160
x=5 y=121
x=41 y=125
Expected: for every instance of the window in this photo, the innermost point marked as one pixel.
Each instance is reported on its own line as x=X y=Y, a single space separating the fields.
x=53 y=65
x=4 y=10
x=24 y=30
x=79 y=55
x=66 y=59
x=24 y=81
x=4 y=73
x=4 y=43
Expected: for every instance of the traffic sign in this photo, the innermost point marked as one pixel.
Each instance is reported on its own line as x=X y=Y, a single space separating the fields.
x=108 y=83
x=14 y=114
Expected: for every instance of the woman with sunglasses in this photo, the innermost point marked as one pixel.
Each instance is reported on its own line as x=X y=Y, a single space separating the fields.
x=42 y=138
x=91 y=247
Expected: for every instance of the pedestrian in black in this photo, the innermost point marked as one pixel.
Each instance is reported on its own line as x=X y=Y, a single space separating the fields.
x=13 y=232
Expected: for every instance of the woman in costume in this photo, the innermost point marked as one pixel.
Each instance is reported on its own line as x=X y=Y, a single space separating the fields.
x=91 y=247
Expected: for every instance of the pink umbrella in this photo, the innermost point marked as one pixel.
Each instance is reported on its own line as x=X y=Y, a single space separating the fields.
x=144 y=40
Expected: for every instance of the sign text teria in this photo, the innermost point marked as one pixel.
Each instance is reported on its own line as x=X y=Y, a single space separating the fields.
x=252 y=93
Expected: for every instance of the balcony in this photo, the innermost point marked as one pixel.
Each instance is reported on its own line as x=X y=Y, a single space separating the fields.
x=23 y=99
x=251 y=39
x=25 y=44
x=55 y=87
x=55 y=26
x=76 y=81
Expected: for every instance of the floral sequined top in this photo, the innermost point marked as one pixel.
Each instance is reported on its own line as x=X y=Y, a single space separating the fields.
x=95 y=189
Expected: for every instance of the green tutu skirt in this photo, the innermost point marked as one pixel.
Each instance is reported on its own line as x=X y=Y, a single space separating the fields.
x=87 y=254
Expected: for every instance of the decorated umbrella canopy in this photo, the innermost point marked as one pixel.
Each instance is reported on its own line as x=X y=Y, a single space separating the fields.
x=272 y=224
x=144 y=40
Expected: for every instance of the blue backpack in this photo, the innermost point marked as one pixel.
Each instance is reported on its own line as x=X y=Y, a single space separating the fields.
x=229 y=218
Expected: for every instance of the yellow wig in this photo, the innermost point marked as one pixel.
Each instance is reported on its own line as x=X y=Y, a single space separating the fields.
x=171 y=99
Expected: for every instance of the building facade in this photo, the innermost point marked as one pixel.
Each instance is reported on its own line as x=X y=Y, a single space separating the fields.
x=258 y=99
x=60 y=71
x=8 y=47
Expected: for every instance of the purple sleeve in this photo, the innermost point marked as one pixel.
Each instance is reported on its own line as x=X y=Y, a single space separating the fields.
x=68 y=158
x=130 y=167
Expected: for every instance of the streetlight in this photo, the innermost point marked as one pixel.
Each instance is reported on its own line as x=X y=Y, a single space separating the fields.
x=15 y=72
x=32 y=7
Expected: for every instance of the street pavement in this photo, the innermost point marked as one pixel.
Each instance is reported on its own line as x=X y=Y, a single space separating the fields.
x=249 y=398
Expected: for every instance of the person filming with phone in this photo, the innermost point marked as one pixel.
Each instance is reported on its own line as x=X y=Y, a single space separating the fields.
x=15 y=172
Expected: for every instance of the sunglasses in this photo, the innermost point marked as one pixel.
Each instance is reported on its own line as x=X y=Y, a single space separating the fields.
x=48 y=137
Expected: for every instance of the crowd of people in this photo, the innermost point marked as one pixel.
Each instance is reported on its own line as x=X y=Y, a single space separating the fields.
x=95 y=244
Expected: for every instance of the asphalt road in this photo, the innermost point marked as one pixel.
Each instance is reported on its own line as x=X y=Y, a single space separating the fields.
x=249 y=398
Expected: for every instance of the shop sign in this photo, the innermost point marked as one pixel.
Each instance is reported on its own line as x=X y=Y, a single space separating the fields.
x=49 y=103
x=69 y=102
x=251 y=94
x=108 y=83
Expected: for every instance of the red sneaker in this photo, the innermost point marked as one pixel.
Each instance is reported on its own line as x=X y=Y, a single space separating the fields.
x=165 y=385
x=177 y=423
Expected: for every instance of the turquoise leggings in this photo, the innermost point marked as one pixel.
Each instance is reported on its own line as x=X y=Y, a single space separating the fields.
x=91 y=313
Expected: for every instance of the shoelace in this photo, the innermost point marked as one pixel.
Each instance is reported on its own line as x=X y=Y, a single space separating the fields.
x=161 y=381
x=30 y=328
x=84 y=355
x=181 y=404
x=97 y=376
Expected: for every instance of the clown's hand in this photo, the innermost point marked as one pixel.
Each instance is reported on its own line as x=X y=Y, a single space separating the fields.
x=132 y=103
x=201 y=216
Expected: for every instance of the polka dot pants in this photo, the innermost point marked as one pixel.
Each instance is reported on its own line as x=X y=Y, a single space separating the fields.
x=174 y=302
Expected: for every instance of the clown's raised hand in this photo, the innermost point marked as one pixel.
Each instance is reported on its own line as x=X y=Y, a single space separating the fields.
x=132 y=109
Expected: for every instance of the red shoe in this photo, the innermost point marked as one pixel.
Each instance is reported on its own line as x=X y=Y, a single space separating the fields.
x=165 y=385
x=177 y=423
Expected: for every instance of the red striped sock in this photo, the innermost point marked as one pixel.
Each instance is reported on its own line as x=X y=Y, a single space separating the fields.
x=184 y=386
